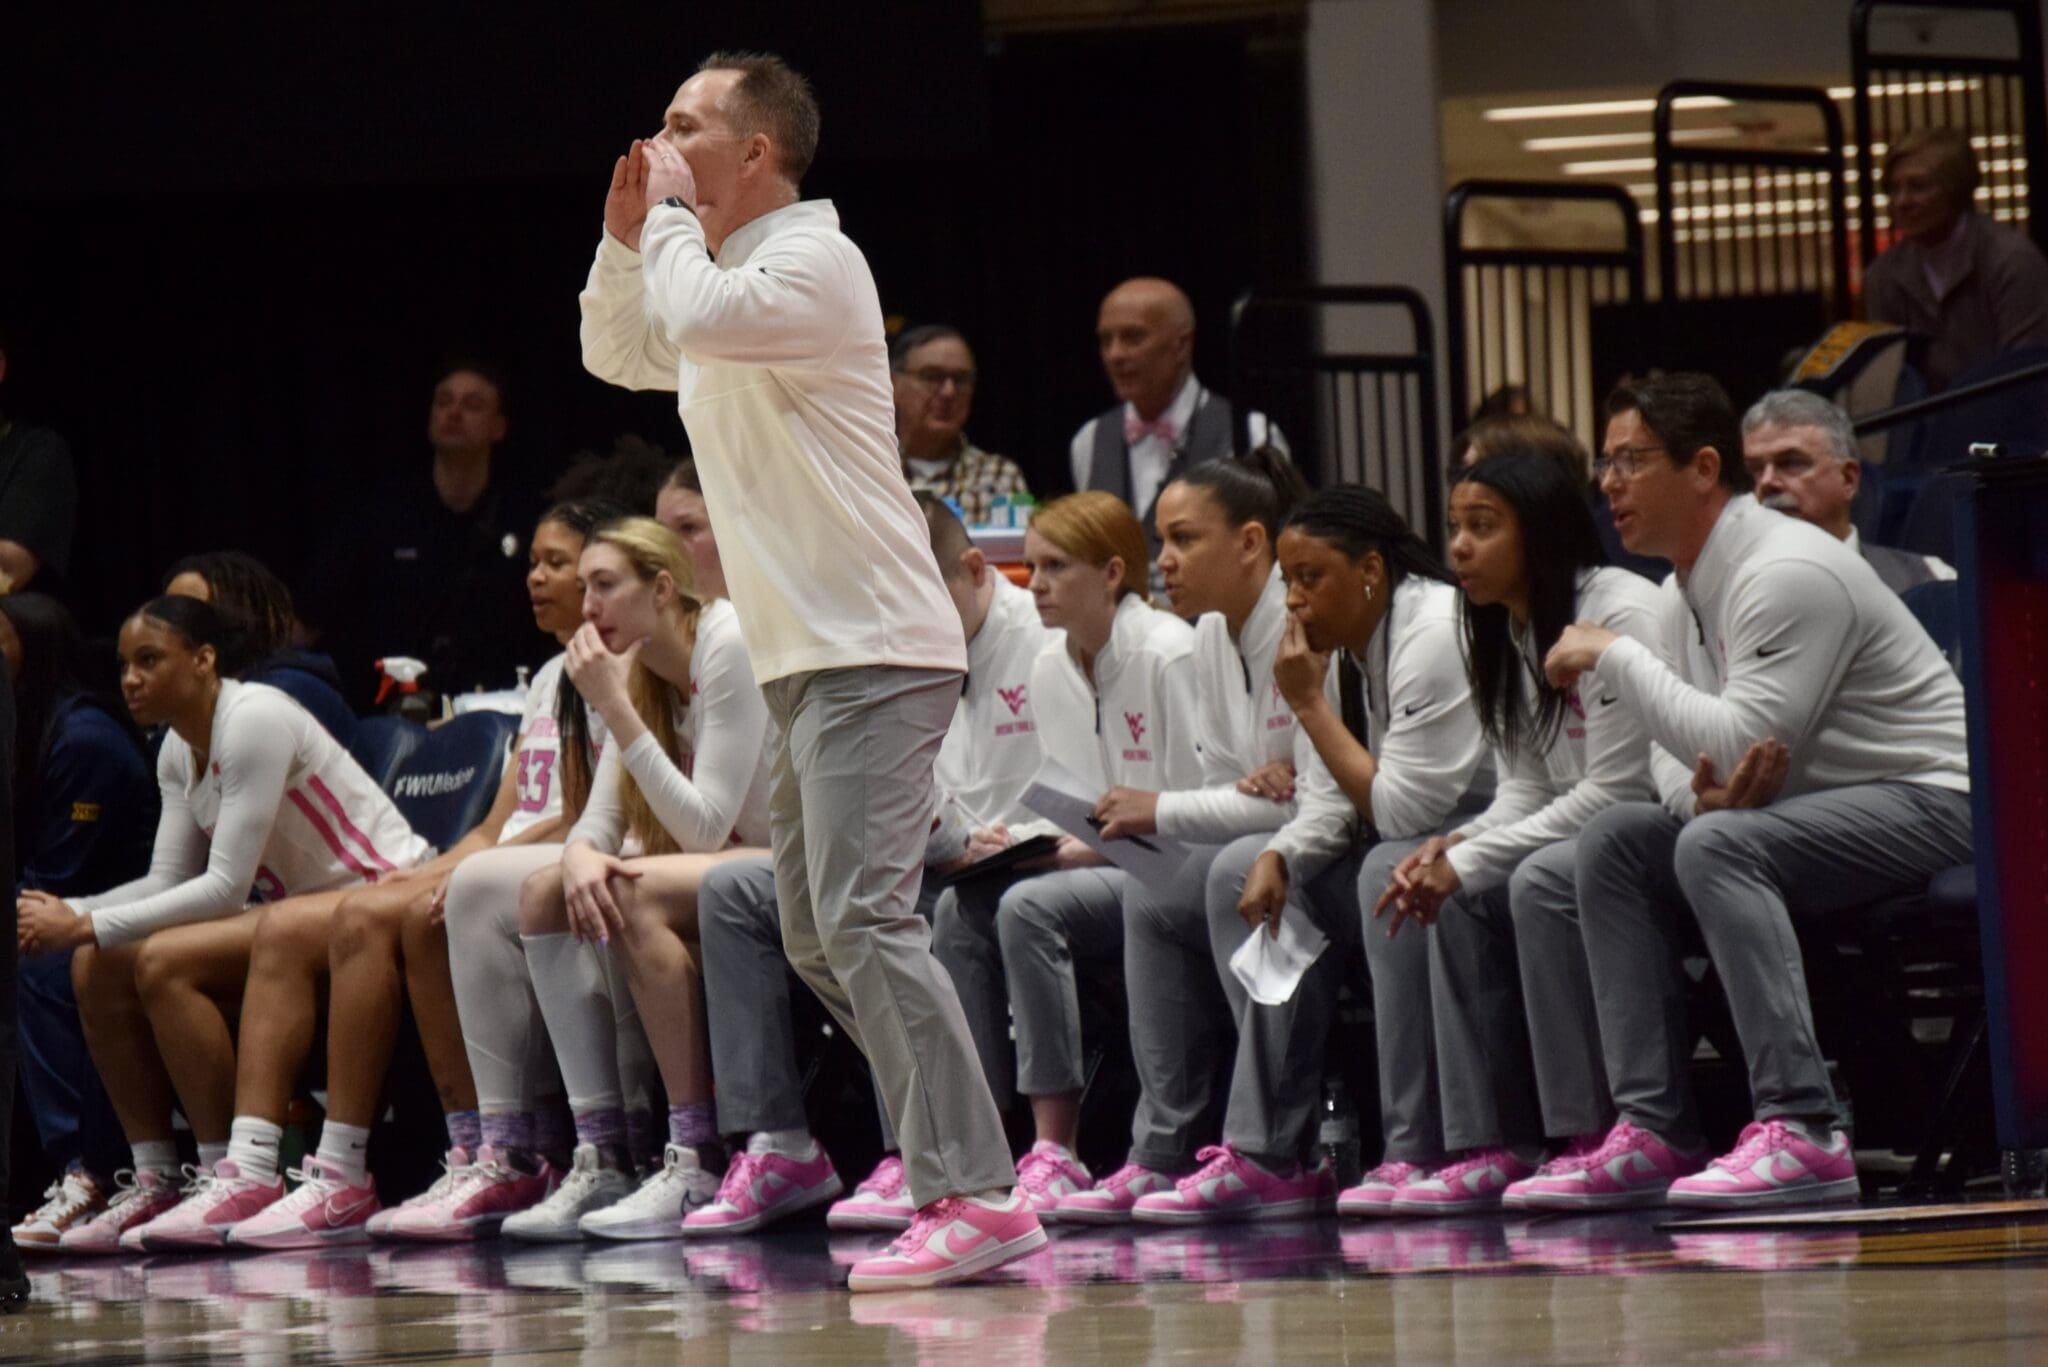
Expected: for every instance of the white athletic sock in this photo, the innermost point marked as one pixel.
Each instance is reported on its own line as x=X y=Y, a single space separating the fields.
x=155 y=1155
x=796 y=1144
x=209 y=1154
x=252 y=1144
x=346 y=1149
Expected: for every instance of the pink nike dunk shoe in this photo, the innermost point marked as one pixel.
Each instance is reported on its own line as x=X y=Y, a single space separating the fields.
x=951 y=1240
x=763 y=1186
x=1773 y=1164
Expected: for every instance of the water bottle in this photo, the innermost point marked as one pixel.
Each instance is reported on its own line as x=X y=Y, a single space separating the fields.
x=1337 y=1135
x=998 y=511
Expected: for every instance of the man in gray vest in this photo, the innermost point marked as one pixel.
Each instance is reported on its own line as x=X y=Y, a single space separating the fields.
x=1801 y=454
x=1165 y=420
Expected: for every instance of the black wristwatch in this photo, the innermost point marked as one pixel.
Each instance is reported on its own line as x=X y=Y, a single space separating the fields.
x=675 y=202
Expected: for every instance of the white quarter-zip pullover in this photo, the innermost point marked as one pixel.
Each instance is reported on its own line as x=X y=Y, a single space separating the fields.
x=1243 y=724
x=778 y=359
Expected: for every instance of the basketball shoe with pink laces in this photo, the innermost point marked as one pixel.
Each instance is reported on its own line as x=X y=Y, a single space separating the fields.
x=762 y=1186
x=951 y=1240
x=1047 y=1174
x=1629 y=1168
x=1229 y=1186
x=882 y=1202
x=1772 y=1164
x=1374 y=1195
x=1466 y=1186
x=1109 y=1201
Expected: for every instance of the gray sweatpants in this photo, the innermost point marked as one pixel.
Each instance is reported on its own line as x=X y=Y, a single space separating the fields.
x=1180 y=1017
x=851 y=805
x=1278 y=1078
x=746 y=996
x=1448 y=1021
x=1742 y=873
x=1557 y=994
x=1010 y=946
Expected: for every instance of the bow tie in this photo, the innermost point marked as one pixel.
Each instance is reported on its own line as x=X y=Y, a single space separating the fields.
x=1162 y=427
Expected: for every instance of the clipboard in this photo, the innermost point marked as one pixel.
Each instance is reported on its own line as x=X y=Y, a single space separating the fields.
x=1023 y=852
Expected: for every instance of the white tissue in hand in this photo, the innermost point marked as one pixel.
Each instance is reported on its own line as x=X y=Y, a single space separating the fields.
x=1270 y=966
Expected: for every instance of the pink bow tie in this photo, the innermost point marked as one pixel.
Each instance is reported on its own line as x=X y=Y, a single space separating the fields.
x=1162 y=427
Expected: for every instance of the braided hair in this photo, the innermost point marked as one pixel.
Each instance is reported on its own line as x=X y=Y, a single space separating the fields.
x=1359 y=521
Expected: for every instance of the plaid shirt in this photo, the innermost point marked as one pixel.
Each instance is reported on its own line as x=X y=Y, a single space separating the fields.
x=974 y=478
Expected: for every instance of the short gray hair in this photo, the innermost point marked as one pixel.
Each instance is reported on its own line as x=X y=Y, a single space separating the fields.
x=1803 y=408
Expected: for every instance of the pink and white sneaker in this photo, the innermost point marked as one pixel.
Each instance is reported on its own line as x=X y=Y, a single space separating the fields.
x=951 y=1240
x=1630 y=1168
x=214 y=1204
x=452 y=1162
x=1047 y=1174
x=139 y=1197
x=1375 y=1195
x=473 y=1201
x=1773 y=1164
x=762 y=1186
x=1229 y=1186
x=323 y=1209
x=882 y=1202
x=1468 y=1186
x=1109 y=1201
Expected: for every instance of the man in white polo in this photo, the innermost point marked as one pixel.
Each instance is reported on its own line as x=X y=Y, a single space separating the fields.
x=716 y=279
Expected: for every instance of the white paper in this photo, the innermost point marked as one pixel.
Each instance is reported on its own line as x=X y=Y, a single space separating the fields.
x=1270 y=966
x=1061 y=798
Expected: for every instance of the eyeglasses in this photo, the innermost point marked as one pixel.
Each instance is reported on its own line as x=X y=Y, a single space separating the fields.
x=1626 y=461
x=932 y=377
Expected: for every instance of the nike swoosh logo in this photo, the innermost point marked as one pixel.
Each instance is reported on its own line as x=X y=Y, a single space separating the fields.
x=339 y=1214
x=1411 y=709
x=1609 y=702
x=955 y=1249
x=1765 y=652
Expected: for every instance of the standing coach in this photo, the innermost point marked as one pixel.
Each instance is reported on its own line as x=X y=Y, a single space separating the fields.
x=715 y=279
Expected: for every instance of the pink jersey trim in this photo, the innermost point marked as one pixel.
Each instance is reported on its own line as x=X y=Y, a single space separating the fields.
x=298 y=800
x=348 y=828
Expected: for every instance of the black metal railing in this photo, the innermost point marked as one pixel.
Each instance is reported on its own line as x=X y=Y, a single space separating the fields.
x=1562 y=320
x=1353 y=407
x=1996 y=100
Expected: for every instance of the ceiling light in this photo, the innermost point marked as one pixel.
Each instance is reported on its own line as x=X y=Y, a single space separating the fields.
x=1586 y=141
x=1619 y=166
x=1597 y=109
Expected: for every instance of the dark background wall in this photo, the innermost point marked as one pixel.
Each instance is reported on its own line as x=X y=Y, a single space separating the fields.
x=232 y=253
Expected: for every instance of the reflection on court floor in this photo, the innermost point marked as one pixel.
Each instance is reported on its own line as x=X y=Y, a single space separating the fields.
x=1557 y=1288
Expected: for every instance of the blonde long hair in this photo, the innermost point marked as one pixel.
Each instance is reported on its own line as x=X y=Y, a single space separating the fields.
x=652 y=550
x=1094 y=526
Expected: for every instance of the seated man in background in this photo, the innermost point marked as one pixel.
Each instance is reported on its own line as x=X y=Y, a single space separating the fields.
x=1793 y=661
x=1165 y=420
x=1971 y=288
x=933 y=373
x=1801 y=454
x=38 y=501
x=430 y=562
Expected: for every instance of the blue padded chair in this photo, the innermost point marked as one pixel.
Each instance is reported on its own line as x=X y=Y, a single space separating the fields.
x=382 y=743
x=445 y=787
x=1939 y=607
